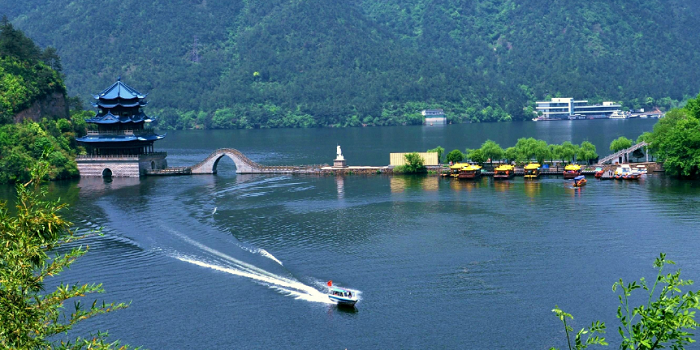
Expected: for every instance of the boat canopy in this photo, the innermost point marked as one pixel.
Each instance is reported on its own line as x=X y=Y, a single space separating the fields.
x=471 y=168
x=505 y=167
x=532 y=166
x=572 y=167
x=336 y=289
x=580 y=177
x=458 y=166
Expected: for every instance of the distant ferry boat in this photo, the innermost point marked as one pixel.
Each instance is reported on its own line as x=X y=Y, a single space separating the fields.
x=618 y=115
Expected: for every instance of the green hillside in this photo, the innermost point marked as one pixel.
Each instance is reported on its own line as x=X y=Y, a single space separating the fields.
x=316 y=63
x=28 y=75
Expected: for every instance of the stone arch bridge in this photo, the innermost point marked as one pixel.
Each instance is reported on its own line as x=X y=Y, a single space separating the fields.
x=243 y=165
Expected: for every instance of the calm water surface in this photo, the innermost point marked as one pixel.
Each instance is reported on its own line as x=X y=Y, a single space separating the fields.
x=231 y=261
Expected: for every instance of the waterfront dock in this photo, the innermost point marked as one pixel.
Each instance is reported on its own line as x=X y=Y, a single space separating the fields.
x=246 y=166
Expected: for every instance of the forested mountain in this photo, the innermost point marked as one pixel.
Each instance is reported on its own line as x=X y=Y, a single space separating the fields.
x=34 y=121
x=291 y=63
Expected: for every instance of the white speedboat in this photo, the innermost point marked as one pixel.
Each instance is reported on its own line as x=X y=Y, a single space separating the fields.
x=341 y=296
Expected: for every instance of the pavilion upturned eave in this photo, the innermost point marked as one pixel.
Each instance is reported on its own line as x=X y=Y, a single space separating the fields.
x=119 y=90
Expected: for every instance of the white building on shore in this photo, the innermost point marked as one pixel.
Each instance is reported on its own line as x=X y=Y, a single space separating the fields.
x=568 y=108
x=434 y=116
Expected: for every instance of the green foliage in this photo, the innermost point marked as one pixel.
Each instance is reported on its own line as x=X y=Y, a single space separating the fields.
x=354 y=63
x=22 y=144
x=664 y=321
x=414 y=164
x=455 y=156
x=24 y=76
x=579 y=343
x=620 y=143
x=510 y=154
x=492 y=150
x=568 y=151
x=439 y=150
x=528 y=148
x=676 y=140
x=476 y=155
x=587 y=152
x=30 y=316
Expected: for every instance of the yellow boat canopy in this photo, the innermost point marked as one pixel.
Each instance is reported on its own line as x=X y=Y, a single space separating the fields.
x=472 y=168
x=457 y=166
x=505 y=167
x=572 y=167
x=532 y=166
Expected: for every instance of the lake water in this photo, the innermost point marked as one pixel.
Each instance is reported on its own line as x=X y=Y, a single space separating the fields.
x=238 y=261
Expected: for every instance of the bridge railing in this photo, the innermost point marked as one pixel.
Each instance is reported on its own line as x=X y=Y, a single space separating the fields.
x=622 y=152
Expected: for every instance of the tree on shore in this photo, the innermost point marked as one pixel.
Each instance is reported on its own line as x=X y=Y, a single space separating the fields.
x=492 y=151
x=675 y=140
x=439 y=150
x=568 y=151
x=414 y=164
x=510 y=154
x=620 y=143
x=476 y=156
x=455 y=156
x=31 y=317
x=587 y=152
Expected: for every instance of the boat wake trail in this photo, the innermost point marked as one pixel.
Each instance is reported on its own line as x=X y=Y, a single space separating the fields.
x=262 y=252
x=222 y=262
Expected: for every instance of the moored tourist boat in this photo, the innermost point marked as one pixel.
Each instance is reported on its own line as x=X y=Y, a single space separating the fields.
x=642 y=169
x=470 y=172
x=455 y=168
x=504 y=171
x=341 y=296
x=599 y=173
x=580 y=181
x=571 y=171
x=625 y=172
x=532 y=170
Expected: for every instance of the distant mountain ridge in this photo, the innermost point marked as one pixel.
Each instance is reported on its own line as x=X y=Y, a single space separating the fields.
x=312 y=62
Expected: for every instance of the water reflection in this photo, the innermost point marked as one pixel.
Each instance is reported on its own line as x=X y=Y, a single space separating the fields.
x=532 y=188
x=466 y=185
x=101 y=185
x=340 y=186
x=502 y=186
x=399 y=184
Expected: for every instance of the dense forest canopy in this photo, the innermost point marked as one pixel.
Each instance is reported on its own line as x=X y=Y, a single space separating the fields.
x=27 y=75
x=282 y=63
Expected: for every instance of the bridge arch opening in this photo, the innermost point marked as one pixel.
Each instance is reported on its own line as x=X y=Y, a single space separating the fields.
x=227 y=166
x=107 y=173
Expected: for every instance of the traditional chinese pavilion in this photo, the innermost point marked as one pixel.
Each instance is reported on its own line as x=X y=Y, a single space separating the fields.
x=120 y=143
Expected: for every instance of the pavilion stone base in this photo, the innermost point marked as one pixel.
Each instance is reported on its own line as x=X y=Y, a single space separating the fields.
x=339 y=163
x=124 y=166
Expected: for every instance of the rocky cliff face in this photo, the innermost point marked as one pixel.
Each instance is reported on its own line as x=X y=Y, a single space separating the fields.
x=51 y=106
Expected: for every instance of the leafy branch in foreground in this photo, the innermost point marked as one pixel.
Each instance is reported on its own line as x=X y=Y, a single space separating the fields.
x=664 y=321
x=29 y=316
x=579 y=344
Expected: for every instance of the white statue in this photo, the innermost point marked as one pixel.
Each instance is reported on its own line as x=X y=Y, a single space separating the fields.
x=339 y=153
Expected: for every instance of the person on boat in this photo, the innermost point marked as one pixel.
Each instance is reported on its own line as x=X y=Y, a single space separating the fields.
x=349 y=294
